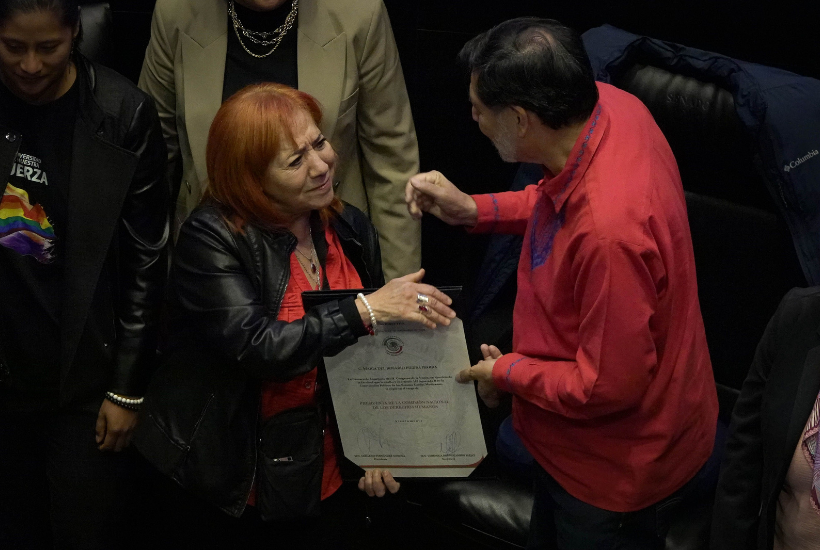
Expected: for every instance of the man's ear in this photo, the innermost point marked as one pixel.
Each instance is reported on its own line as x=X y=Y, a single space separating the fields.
x=523 y=120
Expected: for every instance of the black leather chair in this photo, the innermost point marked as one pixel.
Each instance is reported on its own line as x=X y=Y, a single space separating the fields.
x=745 y=261
x=744 y=253
x=96 y=22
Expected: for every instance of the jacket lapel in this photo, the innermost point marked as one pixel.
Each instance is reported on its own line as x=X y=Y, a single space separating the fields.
x=321 y=54
x=100 y=177
x=203 y=65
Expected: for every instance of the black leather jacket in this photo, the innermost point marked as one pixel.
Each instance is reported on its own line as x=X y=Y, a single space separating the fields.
x=117 y=227
x=198 y=422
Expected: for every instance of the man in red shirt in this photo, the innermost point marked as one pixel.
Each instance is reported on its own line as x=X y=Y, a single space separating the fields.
x=610 y=374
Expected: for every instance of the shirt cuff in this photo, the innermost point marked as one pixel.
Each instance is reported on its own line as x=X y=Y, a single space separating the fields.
x=351 y=314
x=503 y=371
x=487 y=213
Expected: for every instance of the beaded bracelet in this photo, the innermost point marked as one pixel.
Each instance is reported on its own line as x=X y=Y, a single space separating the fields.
x=124 y=402
x=372 y=329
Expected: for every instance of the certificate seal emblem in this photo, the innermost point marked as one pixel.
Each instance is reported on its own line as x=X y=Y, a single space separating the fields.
x=393 y=345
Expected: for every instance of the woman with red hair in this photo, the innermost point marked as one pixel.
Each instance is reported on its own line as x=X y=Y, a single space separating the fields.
x=235 y=415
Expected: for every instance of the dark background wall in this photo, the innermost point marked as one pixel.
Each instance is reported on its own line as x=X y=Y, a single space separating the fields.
x=430 y=33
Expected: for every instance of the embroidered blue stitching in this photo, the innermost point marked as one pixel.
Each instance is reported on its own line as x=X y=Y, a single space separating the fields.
x=542 y=238
x=509 y=371
x=495 y=209
x=577 y=162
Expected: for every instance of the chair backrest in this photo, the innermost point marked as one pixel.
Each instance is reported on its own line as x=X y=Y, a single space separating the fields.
x=699 y=121
x=744 y=254
x=96 y=22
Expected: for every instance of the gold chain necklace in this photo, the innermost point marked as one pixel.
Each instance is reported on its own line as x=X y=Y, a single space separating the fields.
x=262 y=38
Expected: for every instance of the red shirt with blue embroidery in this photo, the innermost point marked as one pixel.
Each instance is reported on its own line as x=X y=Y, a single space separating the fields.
x=612 y=385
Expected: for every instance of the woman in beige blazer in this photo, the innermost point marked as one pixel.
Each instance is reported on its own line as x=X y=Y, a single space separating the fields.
x=346 y=57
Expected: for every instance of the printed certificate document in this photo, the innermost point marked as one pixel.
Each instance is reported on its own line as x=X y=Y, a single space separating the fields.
x=399 y=407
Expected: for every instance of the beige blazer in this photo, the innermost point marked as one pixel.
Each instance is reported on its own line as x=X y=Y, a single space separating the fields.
x=346 y=58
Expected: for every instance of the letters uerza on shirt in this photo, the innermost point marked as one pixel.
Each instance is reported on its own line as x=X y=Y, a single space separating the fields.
x=28 y=166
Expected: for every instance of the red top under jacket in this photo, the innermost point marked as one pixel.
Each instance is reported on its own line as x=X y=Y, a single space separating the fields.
x=301 y=391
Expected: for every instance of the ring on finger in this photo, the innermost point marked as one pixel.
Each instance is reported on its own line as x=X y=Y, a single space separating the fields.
x=423 y=308
x=422 y=298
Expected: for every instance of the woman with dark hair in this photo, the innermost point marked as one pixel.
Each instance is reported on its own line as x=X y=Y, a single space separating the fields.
x=236 y=414
x=83 y=224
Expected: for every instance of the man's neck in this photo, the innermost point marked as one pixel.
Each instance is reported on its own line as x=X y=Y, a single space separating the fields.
x=552 y=147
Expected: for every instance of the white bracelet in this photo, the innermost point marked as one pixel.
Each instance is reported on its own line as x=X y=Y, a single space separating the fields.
x=126 y=402
x=373 y=323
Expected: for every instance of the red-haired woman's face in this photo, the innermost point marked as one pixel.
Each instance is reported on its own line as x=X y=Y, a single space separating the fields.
x=300 y=178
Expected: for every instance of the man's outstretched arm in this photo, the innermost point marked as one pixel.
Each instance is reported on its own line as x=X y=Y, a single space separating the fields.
x=506 y=212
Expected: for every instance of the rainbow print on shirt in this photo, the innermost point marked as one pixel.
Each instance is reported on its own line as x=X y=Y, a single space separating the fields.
x=25 y=228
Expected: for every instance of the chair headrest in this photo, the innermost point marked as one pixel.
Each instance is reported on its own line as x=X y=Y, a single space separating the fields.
x=96 y=22
x=700 y=122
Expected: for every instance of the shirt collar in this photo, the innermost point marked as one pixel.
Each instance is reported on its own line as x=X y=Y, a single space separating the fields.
x=559 y=187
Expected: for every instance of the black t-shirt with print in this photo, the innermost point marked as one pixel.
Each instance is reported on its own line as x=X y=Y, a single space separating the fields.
x=33 y=217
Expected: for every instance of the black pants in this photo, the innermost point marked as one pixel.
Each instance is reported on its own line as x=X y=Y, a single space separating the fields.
x=184 y=521
x=559 y=518
x=57 y=490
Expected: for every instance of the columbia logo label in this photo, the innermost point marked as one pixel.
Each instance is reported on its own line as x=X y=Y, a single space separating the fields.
x=795 y=163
